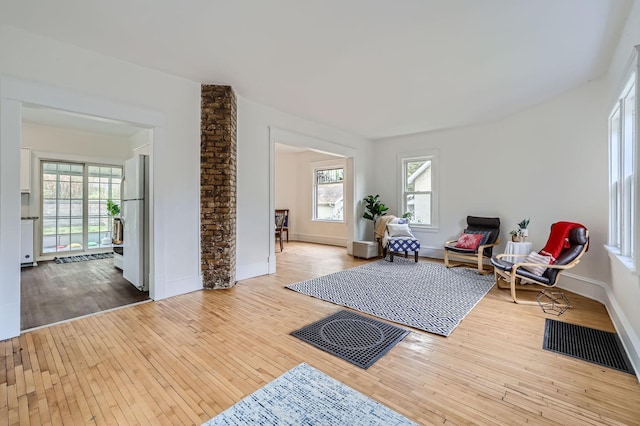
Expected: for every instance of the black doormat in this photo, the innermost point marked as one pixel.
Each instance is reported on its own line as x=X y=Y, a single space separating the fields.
x=83 y=257
x=588 y=344
x=355 y=338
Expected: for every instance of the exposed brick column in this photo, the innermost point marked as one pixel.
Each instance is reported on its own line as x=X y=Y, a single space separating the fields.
x=218 y=186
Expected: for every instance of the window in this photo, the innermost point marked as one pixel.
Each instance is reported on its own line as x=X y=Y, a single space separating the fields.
x=328 y=200
x=74 y=205
x=418 y=190
x=622 y=173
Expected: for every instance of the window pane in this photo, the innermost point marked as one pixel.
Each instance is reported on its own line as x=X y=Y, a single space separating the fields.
x=419 y=205
x=49 y=226
x=614 y=179
x=329 y=176
x=63 y=198
x=417 y=175
x=329 y=201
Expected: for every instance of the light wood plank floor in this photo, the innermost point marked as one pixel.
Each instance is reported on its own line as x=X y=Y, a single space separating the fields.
x=185 y=359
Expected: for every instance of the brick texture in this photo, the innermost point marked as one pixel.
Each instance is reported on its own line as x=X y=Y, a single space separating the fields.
x=218 y=159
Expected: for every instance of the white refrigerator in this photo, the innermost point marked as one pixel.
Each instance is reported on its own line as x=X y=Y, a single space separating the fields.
x=134 y=214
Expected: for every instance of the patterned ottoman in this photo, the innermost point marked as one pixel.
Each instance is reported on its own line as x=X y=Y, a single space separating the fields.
x=402 y=244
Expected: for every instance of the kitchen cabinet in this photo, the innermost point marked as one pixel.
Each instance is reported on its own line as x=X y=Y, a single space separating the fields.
x=26 y=243
x=25 y=170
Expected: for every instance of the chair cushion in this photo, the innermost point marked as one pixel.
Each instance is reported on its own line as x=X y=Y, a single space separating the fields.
x=399 y=230
x=469 y=241
x=503 y=265
x=534 y=257
x=452 y=247
x=508 y=267
x=403 y=244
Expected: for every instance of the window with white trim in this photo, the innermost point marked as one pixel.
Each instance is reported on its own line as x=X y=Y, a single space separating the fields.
x=418 y=189
x=328 y=200
x=622 y=172
x=74 y=205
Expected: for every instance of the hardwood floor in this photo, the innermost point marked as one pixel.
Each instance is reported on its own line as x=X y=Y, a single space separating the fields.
x=52 y=292
x=185 y=359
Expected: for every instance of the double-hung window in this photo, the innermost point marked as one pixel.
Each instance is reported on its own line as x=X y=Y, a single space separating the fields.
x=418 y=189
x=622 y=172
x=328 y=200
x=74 y=205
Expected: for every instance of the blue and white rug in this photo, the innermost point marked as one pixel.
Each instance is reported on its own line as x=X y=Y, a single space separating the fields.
x=423 y=295
x=306 y=396
x=83 y=257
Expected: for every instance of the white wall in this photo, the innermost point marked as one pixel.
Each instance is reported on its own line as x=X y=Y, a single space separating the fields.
x=256 y=179
x=294 y=190
x=286 y=184
x=96 y=83
x=545 y=163
x=624 y=290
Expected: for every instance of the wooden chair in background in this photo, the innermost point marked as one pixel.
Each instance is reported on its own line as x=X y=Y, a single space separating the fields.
x=282 y=220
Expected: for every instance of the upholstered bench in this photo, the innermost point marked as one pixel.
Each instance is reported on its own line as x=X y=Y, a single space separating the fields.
x=402 y=244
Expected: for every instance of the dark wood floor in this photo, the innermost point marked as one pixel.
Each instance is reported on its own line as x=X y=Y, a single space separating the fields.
x=52 y=292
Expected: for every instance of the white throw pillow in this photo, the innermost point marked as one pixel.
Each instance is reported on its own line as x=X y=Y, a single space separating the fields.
x=399 y=230
x=534 y=257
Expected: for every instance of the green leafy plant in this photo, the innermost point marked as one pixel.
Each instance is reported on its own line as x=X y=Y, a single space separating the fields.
x=373 y=207
x=516 y=232
x=523 y=224
x=112 y=208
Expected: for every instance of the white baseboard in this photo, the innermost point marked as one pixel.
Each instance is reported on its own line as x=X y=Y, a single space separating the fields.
x=257 y=269
x=181 y=286
x=600 y=291
x=320 y=239
x=432 y=252
x=629 y=338
x=584 y=286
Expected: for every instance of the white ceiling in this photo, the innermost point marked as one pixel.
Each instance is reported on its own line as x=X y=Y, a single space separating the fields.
x=67 y=120
x=375 y=68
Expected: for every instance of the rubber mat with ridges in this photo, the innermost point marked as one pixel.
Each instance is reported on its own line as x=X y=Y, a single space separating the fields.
x=588 y=344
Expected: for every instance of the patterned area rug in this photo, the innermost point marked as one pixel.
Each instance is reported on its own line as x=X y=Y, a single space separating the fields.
x=355 y=338
x=306 y=396
x=83 y=257
x=423 y=295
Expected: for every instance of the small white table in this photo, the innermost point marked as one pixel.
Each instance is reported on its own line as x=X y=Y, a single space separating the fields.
x=521 y=249
x=518 y=248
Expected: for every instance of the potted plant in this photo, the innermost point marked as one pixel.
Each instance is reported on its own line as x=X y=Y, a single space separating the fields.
x=373 y=208
x=113 y=209
x=516 y=235
x=524 y=232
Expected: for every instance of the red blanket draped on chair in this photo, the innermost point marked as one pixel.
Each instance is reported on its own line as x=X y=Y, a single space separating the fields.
x=558 y=239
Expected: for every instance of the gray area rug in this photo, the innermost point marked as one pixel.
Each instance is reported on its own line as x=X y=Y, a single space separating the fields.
x=83 y=257
x=353 y=337
x=423 y=295
x=306 y=396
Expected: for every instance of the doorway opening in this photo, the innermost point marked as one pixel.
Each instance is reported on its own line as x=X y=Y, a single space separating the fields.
x=314 y=180
x=71 y=172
